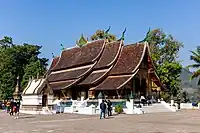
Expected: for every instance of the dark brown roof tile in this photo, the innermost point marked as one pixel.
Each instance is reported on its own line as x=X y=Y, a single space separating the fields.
x=92 y=78
x=109 y=54
x=54 y=62
x=128 y=59
x=80 y=56
x=61 y=85
x=113 y=83
x=73 y=74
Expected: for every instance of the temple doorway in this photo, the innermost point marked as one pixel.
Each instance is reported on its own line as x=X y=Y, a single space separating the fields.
x=44 y=100
x=143 y=88
x=79 y=92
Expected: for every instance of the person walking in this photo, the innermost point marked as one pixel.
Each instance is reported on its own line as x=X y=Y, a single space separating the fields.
x=8 y=106
x=109 y=104
x=11 y=107
x=103 y=109
x=16 y=111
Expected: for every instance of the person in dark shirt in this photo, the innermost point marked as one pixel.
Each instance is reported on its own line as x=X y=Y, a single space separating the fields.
x=103 y=109
x=109 y=104
x=11 y=107
x=16 y=110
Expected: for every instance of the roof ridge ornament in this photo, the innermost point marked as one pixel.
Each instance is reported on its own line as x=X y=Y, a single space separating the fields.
x=147 y=35
x=106 y=33
x=53 y=56
x=82 y=41
x=123 y=33
x=62 y=47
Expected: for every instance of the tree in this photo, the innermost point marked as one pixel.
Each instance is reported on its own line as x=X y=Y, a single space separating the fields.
x=164 y=49
x=196 y=58
x=18 y=60
x=100 y=34
x=185 y=98
x=6 y=42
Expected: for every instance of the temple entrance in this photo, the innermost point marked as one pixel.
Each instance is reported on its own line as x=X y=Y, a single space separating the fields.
x=143 y=88
x=44 y=100
x=140 y=87
x=137 y=88
x=80 y=92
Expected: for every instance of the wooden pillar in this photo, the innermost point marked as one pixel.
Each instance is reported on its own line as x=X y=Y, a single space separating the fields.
x=133 y=85
x=140 y=77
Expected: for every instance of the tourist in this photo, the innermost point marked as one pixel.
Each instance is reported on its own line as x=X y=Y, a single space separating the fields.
x=143 y=100
x=11 y=107
x=103 y=109
x=17 y=109
x=109 y=104
x=8 y=106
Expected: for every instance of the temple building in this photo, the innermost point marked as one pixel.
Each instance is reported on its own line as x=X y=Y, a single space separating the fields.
x=113 y=68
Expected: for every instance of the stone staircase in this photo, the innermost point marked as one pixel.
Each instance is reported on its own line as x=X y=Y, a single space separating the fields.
x=155 y=108
x=46 y=111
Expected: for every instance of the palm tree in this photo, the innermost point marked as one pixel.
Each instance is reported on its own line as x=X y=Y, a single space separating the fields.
x=196 y=58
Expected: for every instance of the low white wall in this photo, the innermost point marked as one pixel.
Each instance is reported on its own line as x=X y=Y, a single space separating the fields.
x=68 y=110
x=188 y=106
x=87 y=110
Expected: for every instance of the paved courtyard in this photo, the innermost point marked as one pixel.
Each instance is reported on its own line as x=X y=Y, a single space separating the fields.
x=187 y=121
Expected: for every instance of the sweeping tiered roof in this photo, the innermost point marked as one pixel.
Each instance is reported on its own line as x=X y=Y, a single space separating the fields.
x=74 y=64
x=105 y=63
x=126 y=67
x=53 y=64
x=100 y=65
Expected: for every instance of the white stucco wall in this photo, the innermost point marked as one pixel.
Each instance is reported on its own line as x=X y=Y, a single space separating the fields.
x=35 y=100
x=32 y=100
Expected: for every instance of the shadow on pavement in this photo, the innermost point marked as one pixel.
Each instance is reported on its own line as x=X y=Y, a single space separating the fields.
x=26 y=117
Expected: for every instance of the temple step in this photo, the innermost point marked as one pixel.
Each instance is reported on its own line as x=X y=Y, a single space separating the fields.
x=155 y=108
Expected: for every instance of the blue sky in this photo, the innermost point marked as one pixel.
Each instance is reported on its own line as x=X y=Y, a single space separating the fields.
x=50 y=22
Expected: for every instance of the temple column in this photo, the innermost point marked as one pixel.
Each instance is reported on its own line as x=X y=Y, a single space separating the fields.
x=133 y=86
x=140 y=78
x=149 y=84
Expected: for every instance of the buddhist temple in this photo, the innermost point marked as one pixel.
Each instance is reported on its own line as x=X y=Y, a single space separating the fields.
x=112 y=68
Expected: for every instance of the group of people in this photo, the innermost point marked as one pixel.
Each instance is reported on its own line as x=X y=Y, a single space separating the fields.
x=105 y=107
x=12 y=107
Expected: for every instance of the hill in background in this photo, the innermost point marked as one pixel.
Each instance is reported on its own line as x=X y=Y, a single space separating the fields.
x=189 y=85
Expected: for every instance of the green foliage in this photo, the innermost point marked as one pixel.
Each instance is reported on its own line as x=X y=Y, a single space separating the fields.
x=100 y=34
x=185 y=97
x=164 y=49
x=118 y=109
x=6 y=42
x=169 y=73
x=195 y=96
x=18 y=60
x=196 y=58
x=165 y=96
